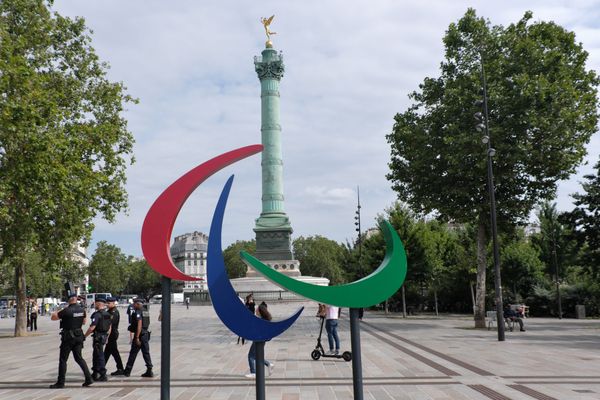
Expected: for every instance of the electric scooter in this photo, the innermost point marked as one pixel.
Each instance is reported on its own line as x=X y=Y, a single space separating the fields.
x=319 y=351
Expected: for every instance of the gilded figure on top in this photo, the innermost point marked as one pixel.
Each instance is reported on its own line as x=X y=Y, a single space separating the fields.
x=266 y=23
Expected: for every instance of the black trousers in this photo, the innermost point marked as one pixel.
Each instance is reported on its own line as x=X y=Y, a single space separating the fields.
x=112 y=349
x=98 y=363
x=135 y=349
x=66 y=347
x=33 y=322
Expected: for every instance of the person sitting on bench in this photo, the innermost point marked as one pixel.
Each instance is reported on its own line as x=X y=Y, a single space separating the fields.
x=510 y=315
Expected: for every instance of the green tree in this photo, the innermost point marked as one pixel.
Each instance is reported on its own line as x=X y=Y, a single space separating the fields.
x=321 y=257
x=109 y=269
x=142 y=279
x=522 y=269
x=543 y=109
x=64 y=144
x=585 y=222
x=233 y=262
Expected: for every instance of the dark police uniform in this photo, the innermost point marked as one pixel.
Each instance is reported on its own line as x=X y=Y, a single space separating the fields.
x=71 y=319
x=144 y=316
x=101 y=320
x=112 y=348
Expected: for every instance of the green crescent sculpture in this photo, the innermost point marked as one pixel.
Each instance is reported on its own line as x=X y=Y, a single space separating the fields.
x=365 y=292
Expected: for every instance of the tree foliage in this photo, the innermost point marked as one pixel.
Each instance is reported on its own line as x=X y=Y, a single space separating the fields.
x=321 y=257
x=543 y=109
x=585 y=222
x=108 y=270
x=233 y=262
x=64 y=144
x=142 y=279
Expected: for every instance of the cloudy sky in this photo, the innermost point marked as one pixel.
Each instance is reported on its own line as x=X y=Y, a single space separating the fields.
x=349 y=68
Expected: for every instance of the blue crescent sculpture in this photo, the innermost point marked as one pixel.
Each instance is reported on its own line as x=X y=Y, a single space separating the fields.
x=226 y=303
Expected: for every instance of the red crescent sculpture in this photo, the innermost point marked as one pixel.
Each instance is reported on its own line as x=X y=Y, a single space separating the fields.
x=159 y=222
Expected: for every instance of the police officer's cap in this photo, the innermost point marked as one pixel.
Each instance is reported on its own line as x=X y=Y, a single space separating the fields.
x=138 y=300
x=101 y=300
x=111 y=299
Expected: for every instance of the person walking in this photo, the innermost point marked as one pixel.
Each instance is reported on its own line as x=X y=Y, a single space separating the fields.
x=331 y=324
x=251 y=306
x=33 y=316
x=187 y=303
x=100 y=327
x=71 y=319
x=264 y=313
x=112 y=347
x=140 y=322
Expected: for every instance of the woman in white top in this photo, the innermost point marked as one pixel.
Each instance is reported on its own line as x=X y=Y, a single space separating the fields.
x=331 y=323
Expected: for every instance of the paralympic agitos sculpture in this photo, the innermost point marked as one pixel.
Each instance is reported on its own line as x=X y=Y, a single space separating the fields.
x=156 y=234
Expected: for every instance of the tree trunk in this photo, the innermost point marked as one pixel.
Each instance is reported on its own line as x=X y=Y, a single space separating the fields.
x=472 y=297
x=436 y=302
x=481 y=269
x=20 y=286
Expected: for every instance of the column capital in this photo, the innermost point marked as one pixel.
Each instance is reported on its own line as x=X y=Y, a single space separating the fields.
x=269 y=65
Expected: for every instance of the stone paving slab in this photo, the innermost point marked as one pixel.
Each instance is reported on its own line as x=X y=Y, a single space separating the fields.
x=419 y=358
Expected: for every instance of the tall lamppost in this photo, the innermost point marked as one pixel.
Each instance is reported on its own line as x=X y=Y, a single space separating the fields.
x=358 y=229
x=555 y=261
x=483 y=126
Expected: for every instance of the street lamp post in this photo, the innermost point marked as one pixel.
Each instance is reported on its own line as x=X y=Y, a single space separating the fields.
x=555 y=261
x=483 y=125
x=358 y=229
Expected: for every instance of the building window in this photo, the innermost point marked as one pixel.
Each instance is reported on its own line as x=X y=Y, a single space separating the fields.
x=189 y=262
x=195 y=262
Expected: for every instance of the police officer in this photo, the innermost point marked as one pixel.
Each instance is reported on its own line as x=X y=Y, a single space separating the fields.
x=140 y=321
x=100 y=327
x=71 y=319
x=112 y=348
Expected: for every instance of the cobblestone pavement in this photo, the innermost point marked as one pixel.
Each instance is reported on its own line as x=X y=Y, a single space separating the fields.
x=415 y=359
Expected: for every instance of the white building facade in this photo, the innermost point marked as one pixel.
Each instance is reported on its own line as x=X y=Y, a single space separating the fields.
x=189 y=255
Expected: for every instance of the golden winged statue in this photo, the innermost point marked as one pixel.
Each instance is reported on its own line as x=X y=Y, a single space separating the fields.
x=266 y=23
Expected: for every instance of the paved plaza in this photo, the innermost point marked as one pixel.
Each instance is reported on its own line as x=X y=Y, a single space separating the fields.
x=418 y=359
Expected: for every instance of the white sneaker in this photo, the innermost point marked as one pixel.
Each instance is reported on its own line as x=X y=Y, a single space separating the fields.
x=250 y=376
x=271 y=368
x=330 y=353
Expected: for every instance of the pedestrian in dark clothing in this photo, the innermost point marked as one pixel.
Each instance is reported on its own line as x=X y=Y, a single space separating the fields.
x=140 y=322
x=33 y=317
x=264 y=313
x=187 y=303
x=112 y=347
x=251 y=306
x=71 y=319
x=100 y=327
x=510 y=315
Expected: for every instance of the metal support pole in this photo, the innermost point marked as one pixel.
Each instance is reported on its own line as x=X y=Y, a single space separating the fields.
x=260 y=370
x=403 y=302
x=555 y=259
x=492 y=194
x=357 y=380
x=165 y=340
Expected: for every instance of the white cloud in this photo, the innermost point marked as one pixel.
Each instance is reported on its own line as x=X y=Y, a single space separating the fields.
x=349 y=69
x=330 y=196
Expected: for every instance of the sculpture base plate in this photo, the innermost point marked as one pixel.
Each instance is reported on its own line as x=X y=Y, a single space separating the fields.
x=257 y=284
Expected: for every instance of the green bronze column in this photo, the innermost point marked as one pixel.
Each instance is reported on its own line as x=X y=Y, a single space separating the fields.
x=273 y=229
